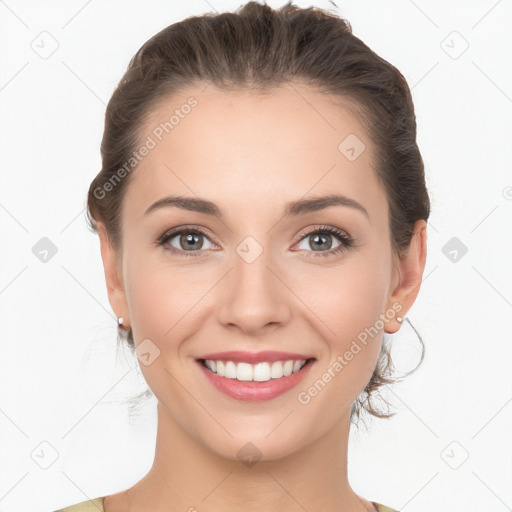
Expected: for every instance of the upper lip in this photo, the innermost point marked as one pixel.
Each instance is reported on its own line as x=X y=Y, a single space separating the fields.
x=254 y=357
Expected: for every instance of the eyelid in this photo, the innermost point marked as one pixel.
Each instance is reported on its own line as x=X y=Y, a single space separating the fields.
x=345 y=239
x=170 y=233
x=324 y=227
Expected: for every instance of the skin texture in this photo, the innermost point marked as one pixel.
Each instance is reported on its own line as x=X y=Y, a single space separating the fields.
x=251 y=154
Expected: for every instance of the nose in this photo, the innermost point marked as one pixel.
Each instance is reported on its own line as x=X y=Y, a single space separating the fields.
x=253 y=296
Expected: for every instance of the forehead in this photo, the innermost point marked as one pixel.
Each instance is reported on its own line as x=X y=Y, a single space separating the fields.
x=246 y=149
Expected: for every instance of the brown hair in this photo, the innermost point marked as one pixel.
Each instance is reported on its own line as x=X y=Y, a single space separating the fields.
x=259 y=48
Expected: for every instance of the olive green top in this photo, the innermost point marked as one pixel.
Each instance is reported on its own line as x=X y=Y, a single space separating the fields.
x=96 y=505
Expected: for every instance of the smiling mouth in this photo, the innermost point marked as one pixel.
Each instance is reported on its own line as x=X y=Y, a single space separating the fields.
x=259 y=372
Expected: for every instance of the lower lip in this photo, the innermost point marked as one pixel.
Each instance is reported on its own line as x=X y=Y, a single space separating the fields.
x=256 y=391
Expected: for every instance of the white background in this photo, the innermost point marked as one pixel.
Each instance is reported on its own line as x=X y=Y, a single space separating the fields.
x=61 y=382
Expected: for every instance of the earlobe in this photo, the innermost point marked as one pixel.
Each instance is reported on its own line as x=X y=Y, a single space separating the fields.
x=410 y=268
x=113 y=275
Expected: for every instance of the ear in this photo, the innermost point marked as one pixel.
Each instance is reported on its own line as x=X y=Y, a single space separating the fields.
x=113 y=276
x=410 y=273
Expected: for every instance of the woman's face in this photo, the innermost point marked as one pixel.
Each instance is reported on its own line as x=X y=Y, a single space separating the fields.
x=264 y=276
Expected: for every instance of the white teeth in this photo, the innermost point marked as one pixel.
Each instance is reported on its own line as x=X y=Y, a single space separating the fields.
x=259 y=372
x=211 y=365
x=296 y=366
x=276 y=371
x=243 y=371
x=288 y=368
x=230 y=370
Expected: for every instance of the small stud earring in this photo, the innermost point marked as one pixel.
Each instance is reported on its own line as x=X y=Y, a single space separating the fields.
x=120 y=321
x=399 y=319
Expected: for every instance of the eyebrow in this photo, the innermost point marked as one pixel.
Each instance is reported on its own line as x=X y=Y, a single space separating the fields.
x=292 y=209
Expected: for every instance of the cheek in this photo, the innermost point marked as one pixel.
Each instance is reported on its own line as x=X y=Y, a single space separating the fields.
x=347 y=316
x=347 y=303
x=156 y=299
x=164 y=302
x=349 y=299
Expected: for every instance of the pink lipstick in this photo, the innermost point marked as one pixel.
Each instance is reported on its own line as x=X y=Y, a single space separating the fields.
x=254 y=377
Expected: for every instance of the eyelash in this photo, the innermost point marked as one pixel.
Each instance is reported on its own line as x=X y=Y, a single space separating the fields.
x=346 y=242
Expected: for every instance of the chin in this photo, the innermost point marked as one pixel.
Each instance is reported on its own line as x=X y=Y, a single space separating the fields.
x=250 y=448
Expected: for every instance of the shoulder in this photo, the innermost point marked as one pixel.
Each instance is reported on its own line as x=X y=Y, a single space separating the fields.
x=383 y=508
x=95 y=505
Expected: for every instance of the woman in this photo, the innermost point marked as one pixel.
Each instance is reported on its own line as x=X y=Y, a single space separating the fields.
x=262 y=211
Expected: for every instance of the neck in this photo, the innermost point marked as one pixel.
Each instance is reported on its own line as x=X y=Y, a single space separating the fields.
x=186 y=475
